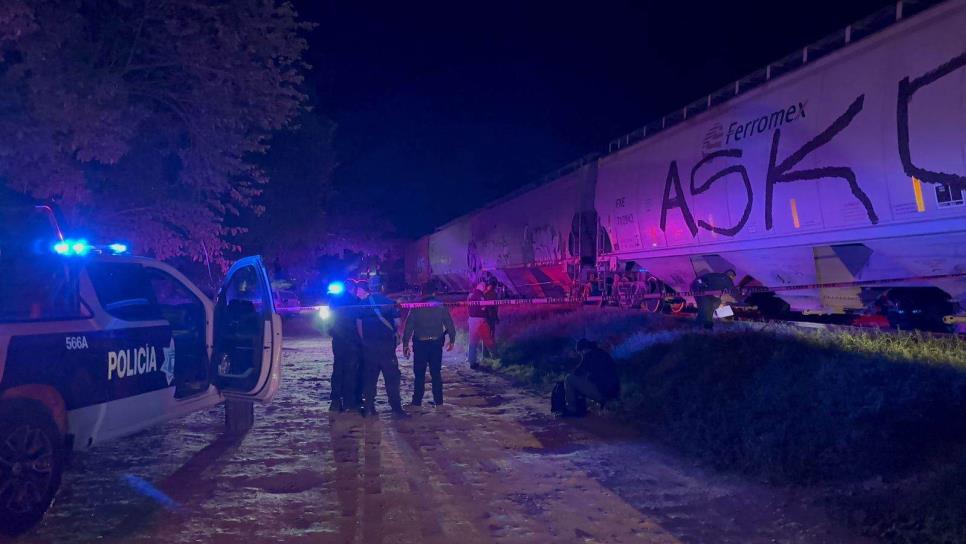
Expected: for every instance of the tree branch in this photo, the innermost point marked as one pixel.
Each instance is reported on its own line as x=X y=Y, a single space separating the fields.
x=137 y=35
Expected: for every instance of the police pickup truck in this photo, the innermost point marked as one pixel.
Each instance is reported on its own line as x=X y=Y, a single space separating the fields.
x=96 y=345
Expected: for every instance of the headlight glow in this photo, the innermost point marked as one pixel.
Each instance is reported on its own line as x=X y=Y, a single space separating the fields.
x=336 y=288
x=325 y=312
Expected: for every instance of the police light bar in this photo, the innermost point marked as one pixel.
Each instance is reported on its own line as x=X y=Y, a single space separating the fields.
x=72 y=247
x=80 y=247
x=336 y=288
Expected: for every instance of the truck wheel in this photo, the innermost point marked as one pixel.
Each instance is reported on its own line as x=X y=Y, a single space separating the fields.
x=239 y=416
x=31 y=464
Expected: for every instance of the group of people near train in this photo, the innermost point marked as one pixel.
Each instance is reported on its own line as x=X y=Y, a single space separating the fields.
x=366 y=328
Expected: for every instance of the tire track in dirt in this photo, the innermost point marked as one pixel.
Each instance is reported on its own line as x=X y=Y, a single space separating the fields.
x=490 y=466
x=444 y=516
x=691 y=503
x=518 y=501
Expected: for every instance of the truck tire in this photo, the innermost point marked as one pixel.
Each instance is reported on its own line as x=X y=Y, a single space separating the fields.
x=239 y=416
x=32 y=456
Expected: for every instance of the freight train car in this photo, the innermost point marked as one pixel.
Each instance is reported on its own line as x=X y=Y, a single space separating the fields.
x=532 y=241
x=849 y=169
x=835 y=176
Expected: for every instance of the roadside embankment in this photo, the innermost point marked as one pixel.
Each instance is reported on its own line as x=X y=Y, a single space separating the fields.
x=878 y=419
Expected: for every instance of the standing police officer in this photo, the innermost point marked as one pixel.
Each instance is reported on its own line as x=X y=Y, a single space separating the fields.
x=428 y=327
x=346 y=350
x=377 y=324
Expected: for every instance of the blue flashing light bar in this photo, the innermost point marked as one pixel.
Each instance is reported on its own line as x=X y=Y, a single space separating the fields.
x=336 y=288
x=72 y=247
x=117 y=248
x=80 y=247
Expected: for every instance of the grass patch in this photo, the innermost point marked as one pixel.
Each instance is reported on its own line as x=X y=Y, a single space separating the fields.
x=829 y=409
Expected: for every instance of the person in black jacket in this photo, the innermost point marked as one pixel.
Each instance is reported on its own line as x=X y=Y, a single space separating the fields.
x=707 y=304
x=346 y=351
x=594 y=378
x=377 y=323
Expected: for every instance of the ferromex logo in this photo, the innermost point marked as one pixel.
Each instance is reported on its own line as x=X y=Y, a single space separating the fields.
x=125 y=363
x=766 y=123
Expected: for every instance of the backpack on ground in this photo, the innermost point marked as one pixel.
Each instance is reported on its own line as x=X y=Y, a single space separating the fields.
x=558 y=399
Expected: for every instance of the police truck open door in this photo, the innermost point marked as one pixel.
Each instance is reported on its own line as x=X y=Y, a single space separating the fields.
x=247 y=334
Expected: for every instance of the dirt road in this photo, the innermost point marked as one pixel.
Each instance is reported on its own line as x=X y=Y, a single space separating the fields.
x=491 y=466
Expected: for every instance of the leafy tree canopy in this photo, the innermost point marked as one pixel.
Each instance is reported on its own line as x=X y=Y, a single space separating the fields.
x=145 y=118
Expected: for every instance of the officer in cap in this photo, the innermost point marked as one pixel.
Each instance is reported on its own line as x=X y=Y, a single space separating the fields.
x=377 y=324
x=428 y=327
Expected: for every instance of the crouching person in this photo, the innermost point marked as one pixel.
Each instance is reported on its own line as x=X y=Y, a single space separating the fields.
x=594 y=378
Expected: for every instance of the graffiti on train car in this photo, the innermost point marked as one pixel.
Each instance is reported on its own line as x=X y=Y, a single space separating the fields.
x=778 y=172
x=541 y=243
x=783 y=171
x=907 y=89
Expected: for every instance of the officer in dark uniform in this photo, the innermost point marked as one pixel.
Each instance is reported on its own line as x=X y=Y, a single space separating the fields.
x=346 y=350
x=707 y=304
x=377 y=324
x=428 y=328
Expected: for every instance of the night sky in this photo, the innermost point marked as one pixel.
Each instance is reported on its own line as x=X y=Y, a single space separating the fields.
x=441 y=107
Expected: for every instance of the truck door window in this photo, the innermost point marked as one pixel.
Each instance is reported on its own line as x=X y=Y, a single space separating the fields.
x=38 y=288
x=239 y=311
x=125 y=291
x=177 y=304
x=186 y=313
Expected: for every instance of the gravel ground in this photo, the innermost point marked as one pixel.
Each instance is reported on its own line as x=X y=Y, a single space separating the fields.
x=490 y=466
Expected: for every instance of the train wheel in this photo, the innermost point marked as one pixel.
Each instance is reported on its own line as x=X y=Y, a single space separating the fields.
x=652 y=305
x=652 y=286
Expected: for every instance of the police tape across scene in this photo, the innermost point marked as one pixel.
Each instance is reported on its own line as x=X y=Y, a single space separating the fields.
x=325 y=311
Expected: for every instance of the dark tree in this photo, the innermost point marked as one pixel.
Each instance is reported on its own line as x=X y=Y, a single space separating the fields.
x=297 y=202
x=145 y=118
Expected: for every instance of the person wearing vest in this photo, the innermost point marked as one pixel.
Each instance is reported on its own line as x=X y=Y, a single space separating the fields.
x=377 y=324
x=428 y=328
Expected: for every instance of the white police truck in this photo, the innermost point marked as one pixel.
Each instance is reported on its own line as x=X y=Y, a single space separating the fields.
x=96 y=345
